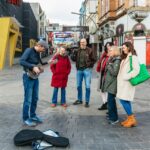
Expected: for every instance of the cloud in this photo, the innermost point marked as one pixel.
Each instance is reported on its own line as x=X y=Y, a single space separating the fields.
x=60 y=10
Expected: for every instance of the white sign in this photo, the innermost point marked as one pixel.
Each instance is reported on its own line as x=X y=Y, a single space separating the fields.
x=94 y=39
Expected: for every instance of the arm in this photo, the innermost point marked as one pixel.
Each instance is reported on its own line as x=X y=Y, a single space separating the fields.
x=24 y=59
x=114 y=68
x=98 y=68
x=136 y=69
x=93 y=57
x=52 y=68
x=41 y=62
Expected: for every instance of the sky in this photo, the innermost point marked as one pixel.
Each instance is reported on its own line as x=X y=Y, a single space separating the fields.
x=59 y=11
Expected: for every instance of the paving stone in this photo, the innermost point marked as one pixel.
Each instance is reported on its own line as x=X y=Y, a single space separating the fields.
x=86 y=128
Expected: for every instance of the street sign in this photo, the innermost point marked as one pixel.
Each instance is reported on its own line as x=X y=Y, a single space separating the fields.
x=76 y=28
x=53 y=28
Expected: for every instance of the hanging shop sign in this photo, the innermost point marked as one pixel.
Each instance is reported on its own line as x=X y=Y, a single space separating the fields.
x=76 y=28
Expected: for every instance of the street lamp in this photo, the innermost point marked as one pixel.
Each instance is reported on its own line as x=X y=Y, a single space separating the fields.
x=75 y=13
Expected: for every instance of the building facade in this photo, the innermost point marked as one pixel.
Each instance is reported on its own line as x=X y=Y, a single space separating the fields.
x=30 y=16
x=30 y=26
x=82 y=17
x=89 y=17
x=41 y=20
x=126 y=20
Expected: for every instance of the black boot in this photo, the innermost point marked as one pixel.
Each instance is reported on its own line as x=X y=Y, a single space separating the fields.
x=103 y=107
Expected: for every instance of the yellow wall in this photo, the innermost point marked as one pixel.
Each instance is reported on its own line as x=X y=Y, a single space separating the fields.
x=9 y=31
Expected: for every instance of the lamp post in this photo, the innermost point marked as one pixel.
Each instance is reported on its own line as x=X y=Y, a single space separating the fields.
x=95 y=47
x=75 y=13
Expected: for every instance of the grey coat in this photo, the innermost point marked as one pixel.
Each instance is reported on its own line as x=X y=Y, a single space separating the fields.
x=111 y=72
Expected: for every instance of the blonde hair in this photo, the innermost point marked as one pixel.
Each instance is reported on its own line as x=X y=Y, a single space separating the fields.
x=116 y=49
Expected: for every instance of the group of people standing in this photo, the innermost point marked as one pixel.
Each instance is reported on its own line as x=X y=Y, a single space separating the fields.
x=113 y=68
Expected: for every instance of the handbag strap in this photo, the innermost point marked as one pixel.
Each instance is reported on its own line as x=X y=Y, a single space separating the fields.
x=131 y=67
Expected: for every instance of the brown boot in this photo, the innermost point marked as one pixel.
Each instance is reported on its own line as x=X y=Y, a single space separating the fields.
x=125 y=121
x=131 y=122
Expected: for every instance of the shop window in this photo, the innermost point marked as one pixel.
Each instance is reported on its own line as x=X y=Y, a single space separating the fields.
x=140 y=3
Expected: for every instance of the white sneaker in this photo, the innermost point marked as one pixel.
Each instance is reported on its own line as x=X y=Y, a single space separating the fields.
x=113 y=122
x=30 y=123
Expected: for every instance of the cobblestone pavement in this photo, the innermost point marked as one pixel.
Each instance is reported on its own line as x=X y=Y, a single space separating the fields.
x=87 y=128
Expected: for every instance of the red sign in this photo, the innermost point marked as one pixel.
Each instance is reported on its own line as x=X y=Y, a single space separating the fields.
x=15 y=2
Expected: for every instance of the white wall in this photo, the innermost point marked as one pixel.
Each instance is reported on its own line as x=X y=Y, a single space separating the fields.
x=129 y=23
x=140 y=47
x=146 y=22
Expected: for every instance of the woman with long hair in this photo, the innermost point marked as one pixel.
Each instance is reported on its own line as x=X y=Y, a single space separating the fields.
x=125 y=91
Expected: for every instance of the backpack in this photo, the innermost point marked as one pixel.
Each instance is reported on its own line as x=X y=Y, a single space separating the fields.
x=29 y=137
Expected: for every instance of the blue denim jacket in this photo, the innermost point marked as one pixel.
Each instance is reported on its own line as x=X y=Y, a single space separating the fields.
x=30 y=59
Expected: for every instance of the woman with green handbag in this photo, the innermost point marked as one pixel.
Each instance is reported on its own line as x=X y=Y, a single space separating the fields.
x=125 y=90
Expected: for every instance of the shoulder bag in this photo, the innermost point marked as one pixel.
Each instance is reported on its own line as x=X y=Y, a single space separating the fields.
x=142 y=76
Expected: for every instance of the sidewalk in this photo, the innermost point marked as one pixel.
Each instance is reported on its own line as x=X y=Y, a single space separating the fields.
x=87 y=128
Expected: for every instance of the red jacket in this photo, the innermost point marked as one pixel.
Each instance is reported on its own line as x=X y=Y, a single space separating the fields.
x=102 y=62
x=60 y=71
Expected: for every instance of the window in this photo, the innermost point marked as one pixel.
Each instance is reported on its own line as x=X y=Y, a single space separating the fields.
x=121 y=2
x=102 y=7
x=140 y=3
x=107 y=5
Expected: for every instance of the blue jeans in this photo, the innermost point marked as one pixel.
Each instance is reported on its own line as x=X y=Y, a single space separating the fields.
x=31 y=91
x=63 y=96
x=127 y=106
x=85 y=74
x=112 y=108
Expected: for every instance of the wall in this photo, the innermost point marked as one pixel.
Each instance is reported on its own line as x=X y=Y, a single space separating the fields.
x=30 y=25
x=140 y=47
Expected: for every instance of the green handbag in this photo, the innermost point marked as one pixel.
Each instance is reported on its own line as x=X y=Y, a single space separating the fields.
x=142 y=76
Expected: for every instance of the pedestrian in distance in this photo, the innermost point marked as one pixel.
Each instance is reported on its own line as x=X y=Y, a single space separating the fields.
x=110 y=83
x=30 y=60
x=60 y=67
x=125 y=91
x=85 y=60
x=101 y=65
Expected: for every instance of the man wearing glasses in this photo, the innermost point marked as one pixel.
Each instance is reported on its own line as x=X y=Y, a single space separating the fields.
x=29 y=60
x=84 y=63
